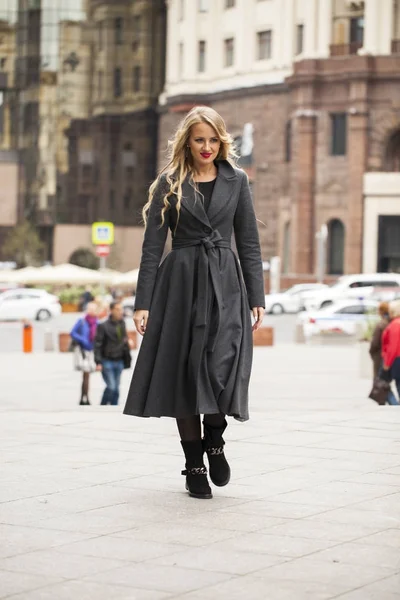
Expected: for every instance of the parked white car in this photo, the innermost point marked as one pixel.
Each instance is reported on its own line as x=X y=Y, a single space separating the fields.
x=342 y=316
x=350 y=286
x=28 y=304
x=291 y=300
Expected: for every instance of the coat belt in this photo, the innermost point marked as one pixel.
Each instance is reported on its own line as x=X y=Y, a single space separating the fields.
x=208 y=270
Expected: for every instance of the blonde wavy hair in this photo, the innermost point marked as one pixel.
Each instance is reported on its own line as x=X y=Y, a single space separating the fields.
x=180 y=163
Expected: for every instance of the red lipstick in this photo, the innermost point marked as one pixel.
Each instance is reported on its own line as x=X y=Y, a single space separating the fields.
x=205 y=154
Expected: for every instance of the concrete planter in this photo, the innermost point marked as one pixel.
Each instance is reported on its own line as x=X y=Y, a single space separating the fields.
x=68 y=307
x=366 y=367
x=264 y=337
x=64 y=341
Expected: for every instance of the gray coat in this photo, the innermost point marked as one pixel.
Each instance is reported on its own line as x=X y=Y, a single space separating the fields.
x=196 y=354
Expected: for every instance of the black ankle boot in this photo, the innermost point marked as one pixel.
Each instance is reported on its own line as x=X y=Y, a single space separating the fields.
x=213 y=443
x=196 y=473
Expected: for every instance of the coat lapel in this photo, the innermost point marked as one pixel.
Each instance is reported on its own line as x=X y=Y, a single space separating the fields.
x=223 y=188
x=192 y=202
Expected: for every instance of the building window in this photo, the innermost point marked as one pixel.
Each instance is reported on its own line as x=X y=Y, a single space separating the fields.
x=100 y=33
x=230 y=3
x=118 y=29
x=300 y=39
x=201 y=66
x=335 y=247
x=286 y=249
x=137 y=26
x=117 y=82
x=391 y=158
x=229 y=45
x=180 y=60
x=357 y=30
x=181 y=10
x=338 y=134
x=288 y=141
x=100 y=77
x=137 y=76
x=127 y=199
x=112 y=200
x=264 y=44
x=203 y=5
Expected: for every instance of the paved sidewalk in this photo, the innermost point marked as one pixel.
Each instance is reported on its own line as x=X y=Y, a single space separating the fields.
x=92 y=504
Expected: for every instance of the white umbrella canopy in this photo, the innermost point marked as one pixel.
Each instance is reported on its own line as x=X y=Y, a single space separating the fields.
x=25 y=275
x=72 y=274
x=128 y=279
x=60 y=274
x=109 y=275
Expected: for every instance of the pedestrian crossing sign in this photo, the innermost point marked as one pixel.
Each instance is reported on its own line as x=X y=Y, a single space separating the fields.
x=102 y=234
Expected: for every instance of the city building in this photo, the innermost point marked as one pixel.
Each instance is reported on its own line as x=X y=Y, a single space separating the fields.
x=309 y=90
x=9 y=165
x=86 y=79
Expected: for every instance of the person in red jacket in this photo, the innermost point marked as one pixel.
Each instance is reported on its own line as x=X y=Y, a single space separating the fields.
x=391 y=348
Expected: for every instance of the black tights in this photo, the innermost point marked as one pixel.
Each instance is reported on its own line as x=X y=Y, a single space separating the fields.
x=85 y=386
x=190 y=428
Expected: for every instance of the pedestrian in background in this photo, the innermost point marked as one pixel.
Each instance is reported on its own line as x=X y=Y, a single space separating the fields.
x=194 y=308
x=83 y=335
x=375 y=349
x=391 y=350
x=112 y=352
x=86 y=297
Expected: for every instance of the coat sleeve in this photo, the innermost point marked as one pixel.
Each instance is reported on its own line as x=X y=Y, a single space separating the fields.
x=376 y=341
x=153 y=248
x=389 y=343
x=98 y=344
x=248 y=246
x=78 y=337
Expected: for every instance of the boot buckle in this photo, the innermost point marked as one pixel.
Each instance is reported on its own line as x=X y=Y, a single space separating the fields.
x=215 y=451
x=195 y=471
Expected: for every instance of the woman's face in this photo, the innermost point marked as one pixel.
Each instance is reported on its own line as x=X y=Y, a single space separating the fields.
x=204 y=144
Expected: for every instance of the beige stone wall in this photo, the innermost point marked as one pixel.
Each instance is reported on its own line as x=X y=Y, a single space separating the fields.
x=68 y=238
x=8 y=194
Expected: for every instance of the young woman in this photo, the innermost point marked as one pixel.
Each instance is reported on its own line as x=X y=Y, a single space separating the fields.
x=194 y=308
x=83 y=335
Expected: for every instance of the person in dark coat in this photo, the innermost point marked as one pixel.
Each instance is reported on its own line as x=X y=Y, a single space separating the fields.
x=111 y=348
x=375 y=349
x=194 y=309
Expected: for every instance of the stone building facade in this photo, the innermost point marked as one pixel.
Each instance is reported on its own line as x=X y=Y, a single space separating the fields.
x=319 y=83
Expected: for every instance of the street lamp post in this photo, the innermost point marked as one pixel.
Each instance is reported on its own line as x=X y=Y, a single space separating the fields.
x=321 y=236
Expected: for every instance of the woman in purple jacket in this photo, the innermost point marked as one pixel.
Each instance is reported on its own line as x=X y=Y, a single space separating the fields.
x=83 y=334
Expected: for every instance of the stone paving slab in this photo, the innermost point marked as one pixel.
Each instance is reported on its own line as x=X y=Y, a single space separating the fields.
x=92 y=503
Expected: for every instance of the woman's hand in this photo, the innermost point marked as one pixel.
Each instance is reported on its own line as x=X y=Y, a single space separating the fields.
x=140 y=319
x=258 y=314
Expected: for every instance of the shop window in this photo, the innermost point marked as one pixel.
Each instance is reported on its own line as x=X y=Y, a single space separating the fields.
x=338 y=134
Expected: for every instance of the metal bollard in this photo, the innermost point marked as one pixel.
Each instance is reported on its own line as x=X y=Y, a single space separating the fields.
x=27 y=337
x=299 y=336
x=48 y=340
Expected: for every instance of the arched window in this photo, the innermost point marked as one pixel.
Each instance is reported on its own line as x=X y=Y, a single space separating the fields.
x=391 y=160
x=288 y=141
x=286 y=249
x=336 y=235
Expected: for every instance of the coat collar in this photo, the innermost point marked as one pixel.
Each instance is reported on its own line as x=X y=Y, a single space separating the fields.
x=226 y=178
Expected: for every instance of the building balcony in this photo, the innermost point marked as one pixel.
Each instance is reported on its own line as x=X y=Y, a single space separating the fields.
x=45 y=217
x=345 y=49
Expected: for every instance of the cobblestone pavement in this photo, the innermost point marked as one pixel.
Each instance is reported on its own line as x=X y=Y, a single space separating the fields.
x=93 y=507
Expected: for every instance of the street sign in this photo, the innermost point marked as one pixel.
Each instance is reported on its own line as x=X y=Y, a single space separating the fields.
x=102 y=234
x=103 y=251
